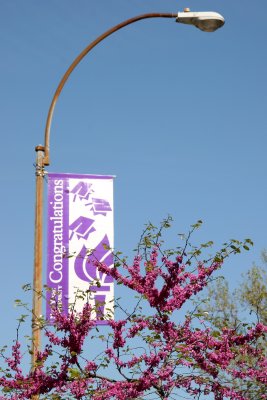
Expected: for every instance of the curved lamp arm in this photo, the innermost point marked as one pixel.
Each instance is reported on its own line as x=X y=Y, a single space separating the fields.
x=206 y=21
x=46 y=159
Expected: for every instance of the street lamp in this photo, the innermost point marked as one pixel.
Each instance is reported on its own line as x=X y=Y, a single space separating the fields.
x=206 y=21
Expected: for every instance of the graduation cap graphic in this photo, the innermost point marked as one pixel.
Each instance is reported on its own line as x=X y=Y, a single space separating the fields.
x=82 y=227
x=82 y=190
x=100 y=206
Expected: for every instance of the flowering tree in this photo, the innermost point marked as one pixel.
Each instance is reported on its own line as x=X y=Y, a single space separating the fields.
x=239 y=309
x=162 y=348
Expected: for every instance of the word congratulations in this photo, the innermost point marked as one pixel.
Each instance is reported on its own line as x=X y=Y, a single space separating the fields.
x=55 y=274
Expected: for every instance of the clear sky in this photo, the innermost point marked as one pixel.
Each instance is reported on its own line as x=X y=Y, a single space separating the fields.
x=178 y=115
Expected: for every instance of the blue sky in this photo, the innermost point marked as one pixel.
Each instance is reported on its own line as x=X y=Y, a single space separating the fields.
x=178 y=115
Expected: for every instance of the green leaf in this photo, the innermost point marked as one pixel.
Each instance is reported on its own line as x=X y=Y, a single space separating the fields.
x=74 y=373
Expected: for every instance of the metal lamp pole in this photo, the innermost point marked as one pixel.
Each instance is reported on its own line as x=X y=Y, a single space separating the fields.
x=206 y=21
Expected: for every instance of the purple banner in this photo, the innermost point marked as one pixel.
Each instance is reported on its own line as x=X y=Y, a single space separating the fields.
x=80 y=231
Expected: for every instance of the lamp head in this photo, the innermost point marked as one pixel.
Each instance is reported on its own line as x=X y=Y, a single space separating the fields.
x=207 y=21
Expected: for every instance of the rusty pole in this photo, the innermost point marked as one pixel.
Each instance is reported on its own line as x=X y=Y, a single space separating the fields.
x=38 y=255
